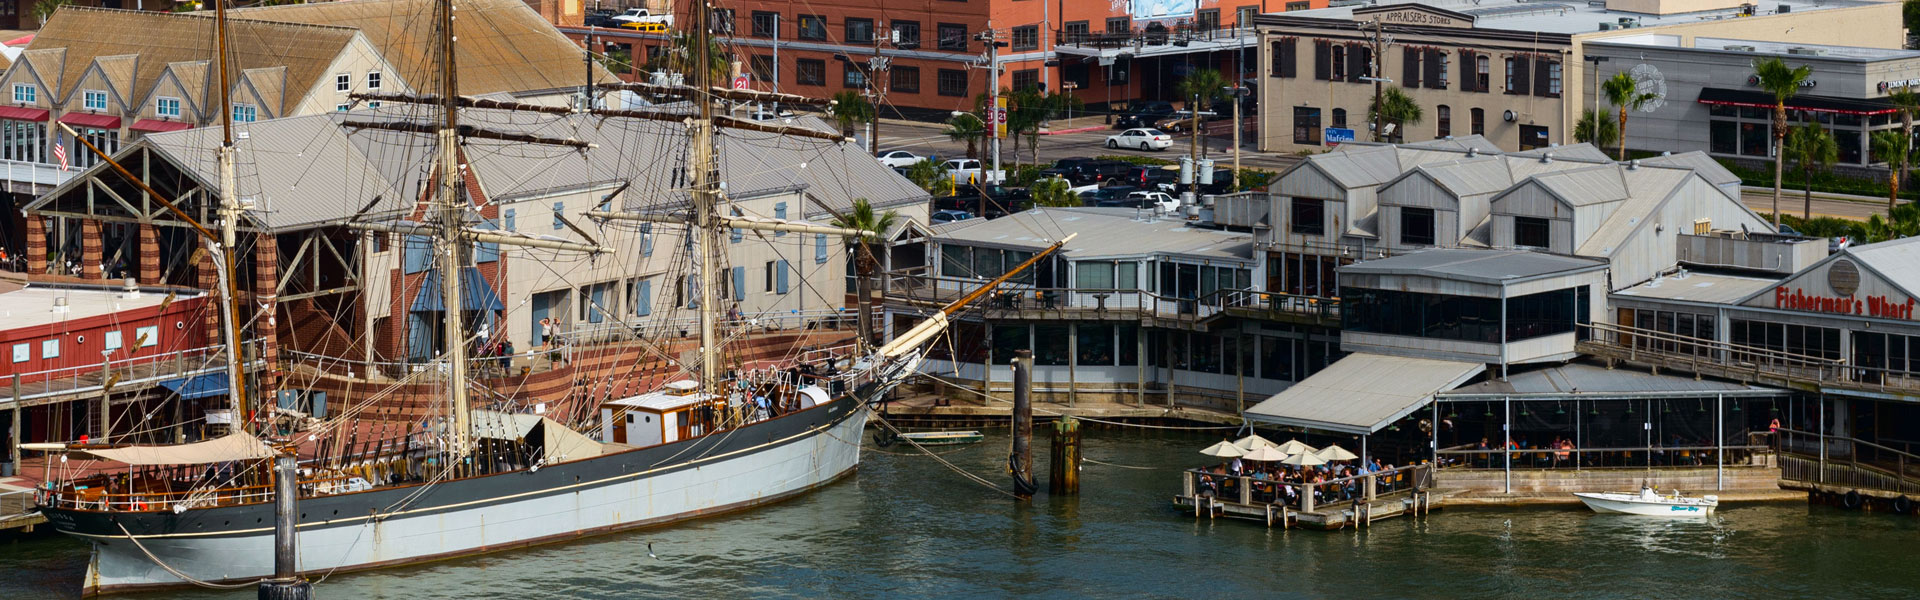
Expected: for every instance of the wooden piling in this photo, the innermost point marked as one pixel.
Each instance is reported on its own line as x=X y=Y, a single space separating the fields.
x=1064 y=479
x=1021 y=462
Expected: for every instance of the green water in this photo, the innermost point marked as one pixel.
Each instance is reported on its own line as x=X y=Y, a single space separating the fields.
x=907 y=527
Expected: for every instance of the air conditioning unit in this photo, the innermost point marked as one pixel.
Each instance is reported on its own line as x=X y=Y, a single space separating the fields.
x=1738 y=47
x=1804 y=51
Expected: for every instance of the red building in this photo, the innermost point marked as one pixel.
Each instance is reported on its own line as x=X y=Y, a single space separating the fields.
x=935 y=63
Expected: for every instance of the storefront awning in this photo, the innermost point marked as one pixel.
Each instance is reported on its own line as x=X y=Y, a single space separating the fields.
x=198 y=386
x=22 y=113
x=475 y=293
x=1826 y=104
x=91 y=120
x=1363 y=393
x=158 y=126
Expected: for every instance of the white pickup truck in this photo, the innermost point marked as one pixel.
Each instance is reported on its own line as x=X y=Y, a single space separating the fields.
x=641 y=15
x=968 y=170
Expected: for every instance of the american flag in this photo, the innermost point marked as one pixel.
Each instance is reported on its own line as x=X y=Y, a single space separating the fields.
x=60 y=151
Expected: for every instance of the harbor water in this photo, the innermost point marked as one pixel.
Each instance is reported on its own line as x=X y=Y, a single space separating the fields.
x=906 y=526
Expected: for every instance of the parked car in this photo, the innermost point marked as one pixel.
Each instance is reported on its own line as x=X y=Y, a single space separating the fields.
x=1098 y=171
x=641 y=15
x=949 y=216
x=1064 y=167
x=1144 y=114
x=1141 y=138
x=967 y=171
x=1110 y=195
x=1160 y=201
x=986 y=201
x=900 y=158
x=1152 y=178
x=601 y=18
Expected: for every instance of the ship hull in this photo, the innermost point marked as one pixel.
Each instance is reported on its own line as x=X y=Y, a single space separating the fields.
x=730 y=470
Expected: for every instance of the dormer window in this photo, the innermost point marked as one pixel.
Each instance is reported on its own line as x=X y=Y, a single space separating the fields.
x=342 y=82
x=94 y=100
x=167 y=107
x=25 y=93
x=244 y=113
x=373 y=80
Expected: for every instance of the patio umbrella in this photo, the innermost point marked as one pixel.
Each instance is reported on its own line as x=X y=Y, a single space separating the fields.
x=1304 y=459
x=1295 y=447
x=1224 y=450
x=1333 y=453
x=1266 y=454
x=1251 y=442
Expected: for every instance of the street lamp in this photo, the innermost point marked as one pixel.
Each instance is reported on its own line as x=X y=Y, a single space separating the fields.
x=1069 y=86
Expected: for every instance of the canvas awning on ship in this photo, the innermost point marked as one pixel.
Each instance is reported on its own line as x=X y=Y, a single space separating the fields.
x=559 y=442
x=1363 y=393
x=238 y=445
x=475 y=292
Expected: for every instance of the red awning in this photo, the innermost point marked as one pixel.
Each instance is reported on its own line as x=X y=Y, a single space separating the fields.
x=19 y=41
x=22 y=113
x=91 y=120
x=156 y=125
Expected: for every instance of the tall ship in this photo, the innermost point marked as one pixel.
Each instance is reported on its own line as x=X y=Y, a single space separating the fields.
x=488 y=471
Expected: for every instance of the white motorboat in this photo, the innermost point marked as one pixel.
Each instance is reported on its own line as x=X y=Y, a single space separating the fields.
x=1650 y=503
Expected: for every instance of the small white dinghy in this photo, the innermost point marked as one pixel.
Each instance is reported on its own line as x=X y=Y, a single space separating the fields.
x=1649 y=503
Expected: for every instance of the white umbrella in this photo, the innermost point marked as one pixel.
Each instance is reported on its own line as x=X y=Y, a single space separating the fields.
x=1295 y=447
x=1333 y=453
x=1253 y=441
x=1266 y=454
x=1304 y=459
x=1224 y=450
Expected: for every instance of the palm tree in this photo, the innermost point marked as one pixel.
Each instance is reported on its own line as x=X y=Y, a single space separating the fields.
x=1033 y=109
x=1200 y=88
x=851 y=108
x=1595 y=129
x=1811 y=147
x=1908 y=103
x=1400 y=111
x=863 y=218
x=969 y=128
x=932 y=177
x=677 y=60
x=1783 y=83
x=1053 y=191
x=1891 y=146
x=1623 y=91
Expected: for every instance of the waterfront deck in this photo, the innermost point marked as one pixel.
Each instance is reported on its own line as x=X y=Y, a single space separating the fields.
x=1848 y=472
x=1355 y=501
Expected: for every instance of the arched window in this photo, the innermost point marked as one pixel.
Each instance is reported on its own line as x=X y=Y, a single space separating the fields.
x=1340 y=118
x=1444 y=118
x=1479 y=117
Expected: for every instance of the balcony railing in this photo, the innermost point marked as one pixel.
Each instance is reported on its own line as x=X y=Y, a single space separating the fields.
x=916 y=286
x=1739 y=362
x=1151 y=35
x=36 y=174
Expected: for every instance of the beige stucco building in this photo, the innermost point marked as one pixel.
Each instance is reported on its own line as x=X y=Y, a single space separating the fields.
x=1500 y=68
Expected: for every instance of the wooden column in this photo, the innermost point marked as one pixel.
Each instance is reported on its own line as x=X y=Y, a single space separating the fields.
x=90 y=249
x=207 y=278
x=36 y=244
x=149 y=272
x=266 y=329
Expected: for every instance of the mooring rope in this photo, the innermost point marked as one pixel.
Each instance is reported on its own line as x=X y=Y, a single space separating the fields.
x=176 y=572
x=1085 y=459
x=956 y=468
x=1101 y=421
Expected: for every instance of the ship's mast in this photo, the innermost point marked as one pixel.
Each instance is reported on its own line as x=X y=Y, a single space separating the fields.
x=229 y=221
x=452 y=261
x=704 y=200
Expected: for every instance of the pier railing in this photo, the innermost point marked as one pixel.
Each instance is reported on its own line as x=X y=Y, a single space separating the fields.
x=1246 y=490
x=1600 y=458
x=915 y=285
x=1810 y=457
x=1738 y=362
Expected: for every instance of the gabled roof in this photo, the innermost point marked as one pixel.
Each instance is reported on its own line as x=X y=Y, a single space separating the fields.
x=1102 y=233
x=1706 y=166
x=1648 y=188
x=1481 y=266
x=1581 y=187
x=161 y=39
x=503 y=45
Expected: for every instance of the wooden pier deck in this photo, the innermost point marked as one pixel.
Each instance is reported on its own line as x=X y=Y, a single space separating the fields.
x=1402 y=491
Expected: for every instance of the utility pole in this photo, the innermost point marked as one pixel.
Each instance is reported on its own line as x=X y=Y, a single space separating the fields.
x=993 y=100
x=586 y=85
x=1239 y=81
x=875 y=68
x=1379 y=85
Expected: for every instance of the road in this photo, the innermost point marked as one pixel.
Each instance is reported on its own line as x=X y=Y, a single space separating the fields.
x=925 y=138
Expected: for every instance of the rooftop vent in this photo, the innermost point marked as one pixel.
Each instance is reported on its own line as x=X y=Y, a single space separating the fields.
x=1633 y=165
x=1546 y=158
x=1805 y=51
x=1738 y=47
x=60 y=305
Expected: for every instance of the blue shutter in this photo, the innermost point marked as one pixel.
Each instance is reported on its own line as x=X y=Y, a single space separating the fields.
x=738 y=234
x=739 y=284
x=417 y=251
x=819 y=248
x=558 y=207
x=646 y=239
x=643 y=298
x=485 y=252
x=780 y=212
x=509 y=220
x=781 y=285
x=597 y=299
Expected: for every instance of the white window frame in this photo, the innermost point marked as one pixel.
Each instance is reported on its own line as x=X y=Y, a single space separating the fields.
x=147 y=336
x=113 y=340
x=50 y=348
x=343 y=82
x=22 y=352
x=86 y=99
x=341 y=107
x=25 y=93
x=159 y=104
x=373 y=80
x=245 y=113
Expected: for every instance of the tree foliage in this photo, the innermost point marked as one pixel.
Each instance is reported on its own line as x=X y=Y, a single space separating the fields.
x=1812 y=148
x=1623 y=92
x=1595 y=129
x=677 y=60
x=932 y=177
x=969 y=128
x=851 y=109
x=1400 y=110
x=1053 y=191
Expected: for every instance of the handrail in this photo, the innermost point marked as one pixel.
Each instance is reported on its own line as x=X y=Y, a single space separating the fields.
x=928 y=288
x=1304 y=492
x=1636 y=332
x=1701 y=353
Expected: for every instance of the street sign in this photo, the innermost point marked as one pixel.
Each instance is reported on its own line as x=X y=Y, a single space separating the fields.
x=997 y=117
x=740 y=82
x=1336 y=135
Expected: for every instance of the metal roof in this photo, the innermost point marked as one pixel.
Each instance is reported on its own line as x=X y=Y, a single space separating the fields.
x=1579 y=378
x=1103 y=233
x=1581 y=187
x=504 y=46
x=34 y=305
x=1648 y=189
x=1362 y=393
x=1706 y=166
x=1484 y=266
x=1560 y=18
x=1700 y=287
x=1581 y=152
x=298 y=171
x=1898 y=261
